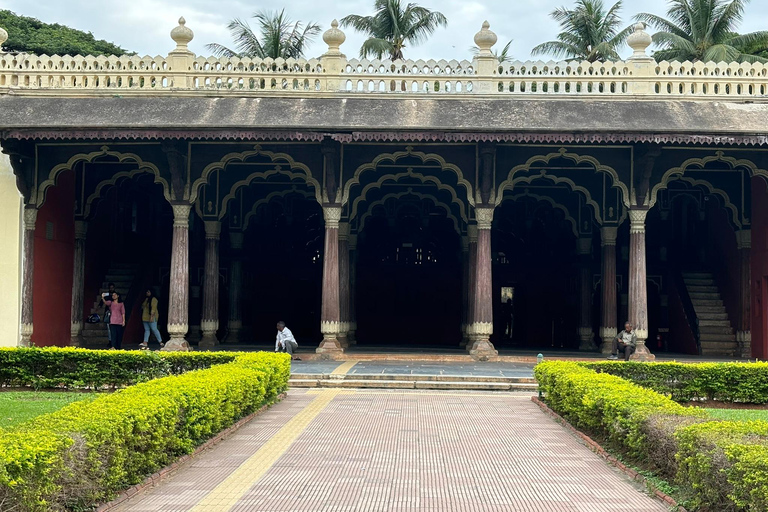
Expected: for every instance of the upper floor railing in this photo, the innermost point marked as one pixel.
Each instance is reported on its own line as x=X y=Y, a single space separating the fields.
x=183 y=72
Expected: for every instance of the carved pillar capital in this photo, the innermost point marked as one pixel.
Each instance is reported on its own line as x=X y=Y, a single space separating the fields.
x=344 y=231
x=332 y=216
x=744 y=239
x=30 y=218
x=484 y=217
x=236 y=240
x=608 y=235
x=81 y=229
x=584 y=246
x=637 y=220
x=212 y=229
x=181 y=214
x=472 y=233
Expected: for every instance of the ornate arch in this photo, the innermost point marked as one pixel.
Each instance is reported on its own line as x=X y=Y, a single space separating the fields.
x=727 y=204
x=394 y=157
x=547 y=199
x=557 y=180
x=264 y=175
x=142 y=166
x=575 y=158
x=304 y=171
x=409 y=191
x=266 y=200
x=111 y=182
x=410 y=174
x=719 y=156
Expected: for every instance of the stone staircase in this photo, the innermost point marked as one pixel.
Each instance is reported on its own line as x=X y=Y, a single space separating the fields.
x=123 y=275
x=716 y=334
x=390 y=381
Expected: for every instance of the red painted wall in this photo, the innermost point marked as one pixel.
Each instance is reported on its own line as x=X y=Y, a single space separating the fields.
x=759 y=256
x=54 y=261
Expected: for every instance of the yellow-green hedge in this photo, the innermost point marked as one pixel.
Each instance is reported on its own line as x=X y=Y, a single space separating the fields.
x=88 y=451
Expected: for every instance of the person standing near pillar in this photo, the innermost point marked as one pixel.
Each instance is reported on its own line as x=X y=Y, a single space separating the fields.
x=116 y=320
x=149 y=316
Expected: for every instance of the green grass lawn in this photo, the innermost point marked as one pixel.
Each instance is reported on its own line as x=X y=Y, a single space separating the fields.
x=19 y=406
x=739 y=414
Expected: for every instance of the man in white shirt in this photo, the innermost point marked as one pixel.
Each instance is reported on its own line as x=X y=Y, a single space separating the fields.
x=285 y=341
x=625 y=342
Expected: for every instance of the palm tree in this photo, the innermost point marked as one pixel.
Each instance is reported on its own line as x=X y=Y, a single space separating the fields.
x=589 y=32
x=279 y=37
x=704 y=30
x=502 y=56
x=393 y=26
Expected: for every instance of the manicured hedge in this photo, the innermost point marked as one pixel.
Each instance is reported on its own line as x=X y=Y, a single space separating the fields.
x=76 y=368
x=86 y=452
x=721 y=465
x=728 y=382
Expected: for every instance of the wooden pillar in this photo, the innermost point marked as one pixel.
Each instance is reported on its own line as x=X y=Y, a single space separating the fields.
x=471 y=276
x=78 y=280
x=330 y=316
x=178 y=300
x=235 y=322
x=586 y=335
x=210 y=318
x=638 y=286
x=344 y=284
x=352 y=332
x=744 y=327
x=609 y=321
x=481 y=328
x=464 y=289
x=28 y=276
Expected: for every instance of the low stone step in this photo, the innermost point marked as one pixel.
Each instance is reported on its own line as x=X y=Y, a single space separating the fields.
x=709 y=329
x=416 y=377
x=698 y=275
x=706 y=322
x=101 y=326
x=699 y=282
x=711 y=315
x=703 y=289
x=719 y=345
x=709 y=310
x=704 y=296
x=706 y=303
x=716 y=337
x=94 y=333
x=411 y=384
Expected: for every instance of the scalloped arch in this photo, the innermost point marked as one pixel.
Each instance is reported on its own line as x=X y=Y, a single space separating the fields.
x=306 y=174
x=547 y=199
x=727 y=203
x=719 y=156
x=575 y=158
x=96 y=196
x=398 y=195
x=90 y=157
x=408 y=173
x=394 y=157
x=270 y=196
x=266 y=174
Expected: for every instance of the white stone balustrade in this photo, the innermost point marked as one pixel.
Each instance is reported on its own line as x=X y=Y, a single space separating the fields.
x=183 y=72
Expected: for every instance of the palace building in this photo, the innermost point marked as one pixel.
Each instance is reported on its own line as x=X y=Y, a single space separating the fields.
x=388 y=204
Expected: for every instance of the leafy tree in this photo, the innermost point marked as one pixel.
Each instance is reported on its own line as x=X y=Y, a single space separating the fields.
x=278 y=37
x=502 y=56
x=705 y=30
x=31 y=35
x=393 y=26
x=589 y=32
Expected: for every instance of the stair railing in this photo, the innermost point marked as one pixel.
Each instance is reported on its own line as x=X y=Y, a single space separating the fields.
x=688 y=310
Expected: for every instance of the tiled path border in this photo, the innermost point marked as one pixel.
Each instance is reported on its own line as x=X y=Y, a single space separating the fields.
x=169 y=471
x=598 y=449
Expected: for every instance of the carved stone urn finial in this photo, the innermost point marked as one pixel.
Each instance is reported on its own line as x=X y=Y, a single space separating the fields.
x=639 y=41
x=182 y=35
x=485 y=39
x=3 y=38
x=334 y=38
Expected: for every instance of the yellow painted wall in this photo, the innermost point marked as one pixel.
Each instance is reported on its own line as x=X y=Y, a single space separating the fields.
x=10 y=255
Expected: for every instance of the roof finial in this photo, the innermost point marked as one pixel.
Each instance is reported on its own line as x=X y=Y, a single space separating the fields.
x=334 y=38
x=3 y=38
x=485 y=39
x=639 y=41
x=182 y=35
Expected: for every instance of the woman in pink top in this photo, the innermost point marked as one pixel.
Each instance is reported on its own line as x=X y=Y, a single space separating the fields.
x=116 y=321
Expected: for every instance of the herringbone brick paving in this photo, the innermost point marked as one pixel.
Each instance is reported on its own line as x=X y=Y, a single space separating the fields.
x=400 y=451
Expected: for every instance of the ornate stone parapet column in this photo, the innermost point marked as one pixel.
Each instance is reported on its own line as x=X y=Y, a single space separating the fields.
x=744 y=327
x=178 y=300
x=608 y=322
x=78 y=279
x=586 y=335
x=28 y=276
x=481 y=328
x=235 y=322
x=330 y=316
x=352 y=332
x=210 y=321
x=344 y=283
x=638 y=286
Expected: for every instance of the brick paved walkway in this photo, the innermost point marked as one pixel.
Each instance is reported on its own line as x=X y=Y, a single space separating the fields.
x=359 y=450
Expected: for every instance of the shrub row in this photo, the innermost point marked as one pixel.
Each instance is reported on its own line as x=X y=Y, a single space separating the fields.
x=88 y=451
x=722 y=465
x=75 y=368
x=728 y=382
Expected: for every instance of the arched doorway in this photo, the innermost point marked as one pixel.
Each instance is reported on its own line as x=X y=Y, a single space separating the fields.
x=409 y=275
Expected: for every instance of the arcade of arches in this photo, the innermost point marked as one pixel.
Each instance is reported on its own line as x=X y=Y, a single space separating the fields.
x=488 y=246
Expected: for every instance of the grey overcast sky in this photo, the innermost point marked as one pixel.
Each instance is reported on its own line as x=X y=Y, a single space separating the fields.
x=143 y=26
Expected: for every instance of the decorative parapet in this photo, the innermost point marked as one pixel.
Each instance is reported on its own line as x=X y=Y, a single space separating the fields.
x=182 y=72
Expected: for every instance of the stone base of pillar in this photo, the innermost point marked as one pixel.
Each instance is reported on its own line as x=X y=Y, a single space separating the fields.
x=76 y=335
x=195 y=334
x=330 y=348
x=208 y=340
x=177 y=343
x=233 y=336
x=607 y=334
x=587 y=339
x=642 y=354
x=744 y=339
x=479 y=345
x=26 y=335
x=343 y=335
x=352 y=333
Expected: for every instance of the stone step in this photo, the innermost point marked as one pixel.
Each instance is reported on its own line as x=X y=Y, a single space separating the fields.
x=704 y=296
x=101 y=327
x=412 y=377
x=699 y=282
x=719 y=314
x=94 y=333
x=702 y=289
x=710 y=310
x=719 y=345
x=706 y=303
x=412 y=384
x=716 y=337
x=698 y=275
x=709 y=329
x=704 y=321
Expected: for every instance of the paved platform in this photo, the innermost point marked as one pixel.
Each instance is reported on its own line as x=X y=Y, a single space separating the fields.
x=365 y=450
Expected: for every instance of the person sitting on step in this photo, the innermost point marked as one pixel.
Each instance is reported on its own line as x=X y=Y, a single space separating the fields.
x=285 y=341
x=625 y=342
